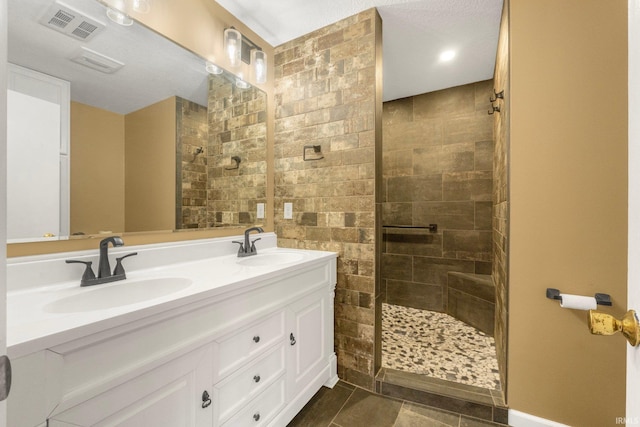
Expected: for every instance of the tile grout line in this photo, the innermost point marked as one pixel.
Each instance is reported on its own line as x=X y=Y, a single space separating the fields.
x=341 y=408
x=395 y=423
x=440 y=423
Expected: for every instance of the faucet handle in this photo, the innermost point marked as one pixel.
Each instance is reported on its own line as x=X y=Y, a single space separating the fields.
x=253 y=244
x=119 y=269
x=88 y=271
x=241 y=243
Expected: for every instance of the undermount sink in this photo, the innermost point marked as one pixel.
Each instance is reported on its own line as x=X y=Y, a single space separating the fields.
x=117 y=294
x=273 y=258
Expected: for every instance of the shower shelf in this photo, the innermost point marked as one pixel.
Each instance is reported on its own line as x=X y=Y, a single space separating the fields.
x=409 y=229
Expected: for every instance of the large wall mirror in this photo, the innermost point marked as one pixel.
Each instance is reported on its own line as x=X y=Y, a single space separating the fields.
x=158 y=141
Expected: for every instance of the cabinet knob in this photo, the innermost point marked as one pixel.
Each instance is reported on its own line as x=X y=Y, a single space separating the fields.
x=292 y=339
x=256 y=378
x=256 y=416
x=256 y=339
x=206 y=400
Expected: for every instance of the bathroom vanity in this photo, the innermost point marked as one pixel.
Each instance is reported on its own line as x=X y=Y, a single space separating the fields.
x=195 y=336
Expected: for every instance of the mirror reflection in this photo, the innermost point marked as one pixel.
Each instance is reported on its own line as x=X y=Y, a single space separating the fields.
x=157 y=140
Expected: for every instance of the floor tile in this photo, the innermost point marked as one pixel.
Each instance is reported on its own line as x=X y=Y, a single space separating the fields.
x=357 y=407
x=367 y=409
x=443 y=417
x=411 y=419
x=323 y=407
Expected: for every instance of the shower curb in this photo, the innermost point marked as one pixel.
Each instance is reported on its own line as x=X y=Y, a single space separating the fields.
x=463 y=399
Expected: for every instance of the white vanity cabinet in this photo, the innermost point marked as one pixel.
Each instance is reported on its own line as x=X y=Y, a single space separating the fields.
x=169 y=395
x=310 y=339
x=259 y=351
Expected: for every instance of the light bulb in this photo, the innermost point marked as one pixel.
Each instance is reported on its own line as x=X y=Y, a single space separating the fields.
x=259 y=60
x=233 y=46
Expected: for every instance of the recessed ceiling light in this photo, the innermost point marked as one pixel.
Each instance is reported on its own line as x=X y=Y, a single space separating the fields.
x=119 y=17
x=213 y=69
x=447 y=55
x=241 y=84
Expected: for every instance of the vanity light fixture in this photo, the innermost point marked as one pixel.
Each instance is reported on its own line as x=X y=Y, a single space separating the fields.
x=259 y=60
x=213 y=69
x=233 y=46
x=239 y=49
x=119 y=17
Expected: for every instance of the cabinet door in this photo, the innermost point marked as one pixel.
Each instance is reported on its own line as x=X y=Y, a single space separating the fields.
x=37 y=156
x=309 y=339
x=170 y=395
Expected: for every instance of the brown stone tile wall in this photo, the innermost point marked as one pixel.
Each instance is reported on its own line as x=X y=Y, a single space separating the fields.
x=326 y=94
x=191 y=169
x=500 y=223
x=237 y=127
x=437 y=169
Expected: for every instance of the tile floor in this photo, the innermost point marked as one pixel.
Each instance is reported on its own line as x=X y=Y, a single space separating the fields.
x=438 y=345
x=349 y=406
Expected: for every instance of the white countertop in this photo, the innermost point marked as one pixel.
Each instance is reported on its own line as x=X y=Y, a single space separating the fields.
x=40 y=317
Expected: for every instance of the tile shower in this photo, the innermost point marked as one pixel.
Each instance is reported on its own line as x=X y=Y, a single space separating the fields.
x=220 y=157
x=439 y=300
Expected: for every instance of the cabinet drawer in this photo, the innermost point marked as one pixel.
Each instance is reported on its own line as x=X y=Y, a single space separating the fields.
x=263 y=408
x=242 y=386
x=238 y=347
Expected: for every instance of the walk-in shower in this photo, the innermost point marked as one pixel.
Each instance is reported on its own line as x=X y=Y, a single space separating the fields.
x=438 y=308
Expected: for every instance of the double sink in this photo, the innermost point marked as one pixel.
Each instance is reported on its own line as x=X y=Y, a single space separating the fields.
x=137 y=290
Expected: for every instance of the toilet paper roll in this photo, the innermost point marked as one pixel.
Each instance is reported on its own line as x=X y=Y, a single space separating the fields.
x=578 y=302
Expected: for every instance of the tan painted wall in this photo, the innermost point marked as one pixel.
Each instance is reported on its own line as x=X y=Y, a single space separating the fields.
x=97 y=170
x=197 y=25
x=150 y=167
x=568 y=205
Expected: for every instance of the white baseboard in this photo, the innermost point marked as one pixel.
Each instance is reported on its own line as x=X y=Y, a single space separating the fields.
x=521 y=419
x=333 y=371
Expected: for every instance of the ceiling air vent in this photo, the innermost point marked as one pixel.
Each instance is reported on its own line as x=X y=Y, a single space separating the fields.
x=97 y=61
x=69 y=21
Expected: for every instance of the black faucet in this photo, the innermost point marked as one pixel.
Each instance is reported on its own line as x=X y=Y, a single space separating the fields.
x=104 y=269
x=248 y=248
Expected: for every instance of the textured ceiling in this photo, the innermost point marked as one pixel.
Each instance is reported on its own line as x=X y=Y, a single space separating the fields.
x=414 y=34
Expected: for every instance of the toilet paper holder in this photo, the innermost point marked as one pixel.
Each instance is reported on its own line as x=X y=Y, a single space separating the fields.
x=601 y=299
x=605 y=324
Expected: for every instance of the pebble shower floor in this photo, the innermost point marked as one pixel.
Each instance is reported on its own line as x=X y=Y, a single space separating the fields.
x=439 y=346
